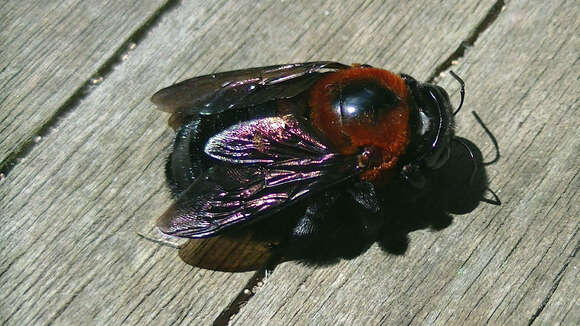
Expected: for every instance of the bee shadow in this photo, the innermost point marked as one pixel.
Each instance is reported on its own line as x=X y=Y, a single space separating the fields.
x=456 y=188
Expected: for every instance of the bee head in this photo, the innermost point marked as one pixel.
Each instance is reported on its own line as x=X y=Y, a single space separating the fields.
x=432 y=129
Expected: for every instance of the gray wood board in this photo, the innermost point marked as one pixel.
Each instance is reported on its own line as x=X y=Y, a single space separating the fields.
x=71 y=208
x=49 y=51
x=509 y=265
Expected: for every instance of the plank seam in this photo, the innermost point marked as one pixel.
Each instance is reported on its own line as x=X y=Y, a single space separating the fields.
x=557 y=280
x=490 y=17
x=223 y=319
x=116 y=59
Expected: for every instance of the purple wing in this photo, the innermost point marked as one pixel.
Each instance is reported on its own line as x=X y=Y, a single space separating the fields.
x=241 y=88
x=262 y=166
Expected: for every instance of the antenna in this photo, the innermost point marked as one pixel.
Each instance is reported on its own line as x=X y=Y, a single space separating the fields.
x=462 y=90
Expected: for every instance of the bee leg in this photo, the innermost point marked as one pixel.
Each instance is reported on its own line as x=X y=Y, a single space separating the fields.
x=314 y=236
x=332 y=227
x=314 y=217
x=365 y=195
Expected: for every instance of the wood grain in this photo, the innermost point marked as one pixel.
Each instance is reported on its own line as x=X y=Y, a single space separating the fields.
x=509 y=265
x=50 y=50
x=71 y=208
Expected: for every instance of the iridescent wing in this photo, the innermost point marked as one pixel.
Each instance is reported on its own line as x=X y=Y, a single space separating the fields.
x=262 y=166
x=241 y=88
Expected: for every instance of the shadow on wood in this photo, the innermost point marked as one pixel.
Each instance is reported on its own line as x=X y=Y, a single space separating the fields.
x=347 y=231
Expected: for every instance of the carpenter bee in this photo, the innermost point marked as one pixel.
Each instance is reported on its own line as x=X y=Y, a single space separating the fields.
x=300 y=151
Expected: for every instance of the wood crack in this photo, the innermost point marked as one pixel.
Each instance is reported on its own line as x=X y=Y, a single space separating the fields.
x=247 y=292
x=557 y=280
x=491 y=16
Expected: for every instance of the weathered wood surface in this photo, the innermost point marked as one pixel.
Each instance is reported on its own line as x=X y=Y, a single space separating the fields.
x=499 y=265
x=49 y=51
x=70 y=209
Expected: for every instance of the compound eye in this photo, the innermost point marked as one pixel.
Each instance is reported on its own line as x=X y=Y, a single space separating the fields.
x=360 y=101
x=441 y=97
x=425 y=124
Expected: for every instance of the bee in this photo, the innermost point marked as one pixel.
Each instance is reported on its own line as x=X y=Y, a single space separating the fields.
x=253 y=145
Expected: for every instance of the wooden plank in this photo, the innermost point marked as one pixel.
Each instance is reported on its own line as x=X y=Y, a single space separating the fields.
x=509 y=265
x=50 y=49
x=71 y=208
x=563 y=306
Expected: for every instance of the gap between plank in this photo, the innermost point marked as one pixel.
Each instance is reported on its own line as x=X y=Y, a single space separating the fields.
x=253 y=285
x=87 y=87
x=557 y=280
x=489 y=18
